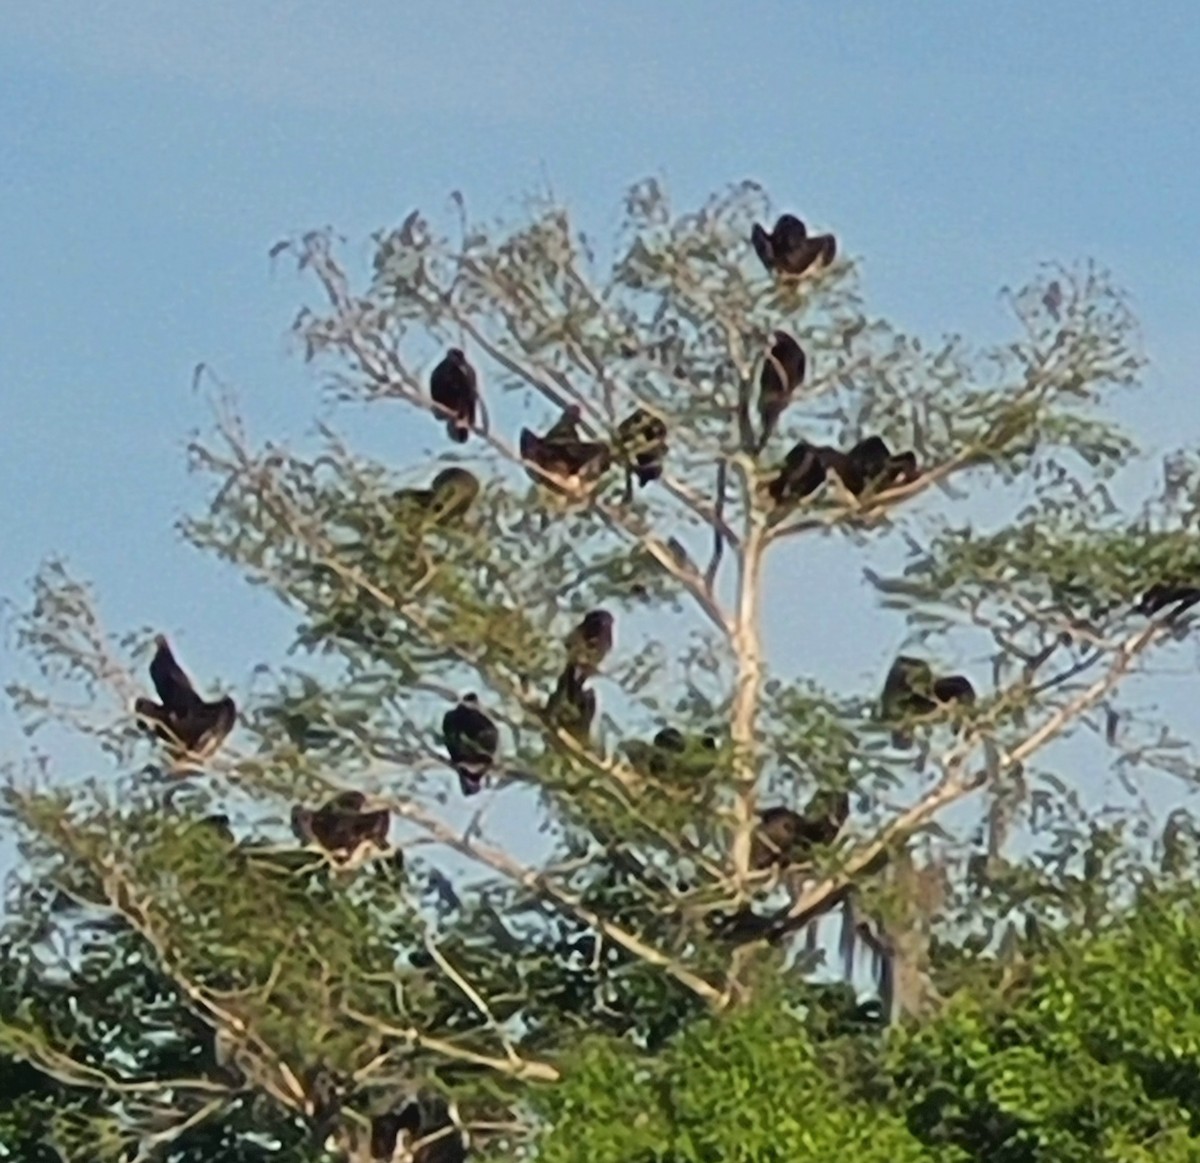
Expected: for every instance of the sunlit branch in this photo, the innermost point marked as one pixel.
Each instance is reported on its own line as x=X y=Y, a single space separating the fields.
x=520 y=1068
x=121 y=896
x=540 y=885
x=747 y=693
x=150 y=1142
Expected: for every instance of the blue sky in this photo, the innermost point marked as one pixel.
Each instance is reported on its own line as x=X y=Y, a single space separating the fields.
x=150 y=154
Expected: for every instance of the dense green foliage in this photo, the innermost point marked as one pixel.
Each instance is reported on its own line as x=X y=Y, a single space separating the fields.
x=1086 y=1050
x=637 y=989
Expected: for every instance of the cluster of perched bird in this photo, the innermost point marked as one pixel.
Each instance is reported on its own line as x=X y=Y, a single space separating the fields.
x=565 y=461
x=561 y=459
x=194 y=728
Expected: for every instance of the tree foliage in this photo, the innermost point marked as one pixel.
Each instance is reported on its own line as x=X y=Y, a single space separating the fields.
x=639 y=987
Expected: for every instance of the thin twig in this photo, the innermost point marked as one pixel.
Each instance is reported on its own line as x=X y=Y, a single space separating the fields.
x=522 y=1068
x=473 y=996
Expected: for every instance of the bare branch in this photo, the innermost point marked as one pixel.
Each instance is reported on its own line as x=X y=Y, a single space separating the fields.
x=473 y=996
x=522 y=1068
x=539 y=884
x=747 y=694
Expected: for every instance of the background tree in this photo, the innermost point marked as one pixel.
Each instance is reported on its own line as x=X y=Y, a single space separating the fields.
x=306 y=996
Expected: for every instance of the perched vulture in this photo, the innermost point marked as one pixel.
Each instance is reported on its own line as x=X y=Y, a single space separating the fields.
x=342 y=825
x=671 y=739
x=386 y=1130
x=449 y=497
x=782 y=373
x=324 y=1091
x=572 y=464
x=671 y=753
x=1163 y=594
x=181 y=718
x=911 y=690
x=572 y=706
x=454 y=388
x=800 y=475
x=871 y=464
x=785 y=837
x=589 y=643
x=471 y=739
x=642 y=437
x=789 y=249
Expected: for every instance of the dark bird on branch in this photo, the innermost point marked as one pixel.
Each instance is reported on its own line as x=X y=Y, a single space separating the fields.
x=871 y=464
x=447 y=500
x=386 y=1130
x=572 y=705
x=324 y=1092
x=911 y=690
x=789 y=249
x=782 y=373
x=671 y=754
x=573 y=464
x=454 y=388
x=181 y=718
x=1163 y=594
x=642 y=438
x=471 y=739
x=786 y=837
x=800 y=475
x=342 y=825
x=590 y=642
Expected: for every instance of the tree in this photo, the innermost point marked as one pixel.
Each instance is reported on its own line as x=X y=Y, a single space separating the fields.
x=1075 y=1044
x=316 y=994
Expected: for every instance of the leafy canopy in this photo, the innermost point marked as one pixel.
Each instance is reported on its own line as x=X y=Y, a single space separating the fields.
x=635 y=984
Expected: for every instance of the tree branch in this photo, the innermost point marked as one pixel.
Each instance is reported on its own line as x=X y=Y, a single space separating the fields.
x=954 y=785
x=540 y=885
x=522 y=1068
x=747 y=694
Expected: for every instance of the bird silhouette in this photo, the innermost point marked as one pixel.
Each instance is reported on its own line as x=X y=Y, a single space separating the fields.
x=573 y=464
x=911 y=690
x=181 y=718
x=788 y=249
x=782 y=373
x=454 y=388
x=590 y=642
x=786 y=837
x=471 y=740
x=572 y=705
x=447 y=500
x=642 y=438
x=342 y=825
